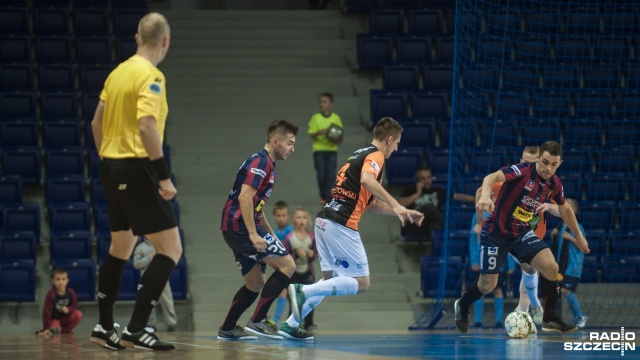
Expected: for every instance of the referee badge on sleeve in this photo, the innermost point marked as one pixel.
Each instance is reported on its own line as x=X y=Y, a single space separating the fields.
x=155 y=88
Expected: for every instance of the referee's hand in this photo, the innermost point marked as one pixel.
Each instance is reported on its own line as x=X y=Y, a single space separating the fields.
x=167 y=190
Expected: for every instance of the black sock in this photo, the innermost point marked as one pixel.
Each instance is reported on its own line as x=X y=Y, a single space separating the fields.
x=551 y=298
x=151 y=285
x=277 y=282
x=109 y=281
x=241 y=302
x=470 y=296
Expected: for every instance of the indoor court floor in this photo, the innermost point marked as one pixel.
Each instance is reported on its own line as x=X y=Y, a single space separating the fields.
x=432 y=344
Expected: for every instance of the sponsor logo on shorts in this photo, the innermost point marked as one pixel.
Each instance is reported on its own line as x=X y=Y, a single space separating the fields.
x=258 y=172
x=341 y=262
x=522 y=214
x=361 y=266
x=529 y=185
x=239 y=265
x=321 y=224
x=492 y=250
x=122 y=187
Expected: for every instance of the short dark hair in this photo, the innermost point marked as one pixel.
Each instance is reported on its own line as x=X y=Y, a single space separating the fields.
x=423 y=168
x=552 y=147
x=327 y=95
x=280 y=128
x=386 y=127
x=279 y=205
x=58 y=271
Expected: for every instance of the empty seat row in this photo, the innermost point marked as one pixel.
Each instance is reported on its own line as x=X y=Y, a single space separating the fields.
x=75 y=4
x=53 y=77
x=48 y=106
x=416 y=22
x=374 y=52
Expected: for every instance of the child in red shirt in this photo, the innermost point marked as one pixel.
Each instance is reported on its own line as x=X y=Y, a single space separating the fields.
x=59 y=313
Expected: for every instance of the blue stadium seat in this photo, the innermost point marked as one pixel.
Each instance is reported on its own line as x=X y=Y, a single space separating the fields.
x=386 y=22
x=59 y=105
x=51 y=21
x=101 y=219
x=598 y=241
x=620 y=20
x=70 y=217
x=430 y=271
x=64 y=161
x=125 y=21
x=65 y=189
x=54 y=49
x=458 y=243
x=90 y=4
x=401 y=77
x=513 y=79
x=16 y=77
x=593 y=105
x=600 y=77
x=91 y=21
x=553 y=105
x=438 y=77
x=494 y=50
x=14 y=21
x=102 y=247
x=418 y=135
x=616 y=161
x=57 y=77
x=82 y=276
x=624 y=243
x=97 y=193
x=61 y=133
x=426 y=22
x=18 y=280
x=92 y=78
x=536 y=50
x=620 y=271
x=374 y=52
x=483 y=77
x=414 y=50
x=603 y=188
x=582 y=22
x=18 y=105
x=19 y=133
x=138 y=5
x=93 y=160
x=596 y=215
x=444 y=133
x=22 y=217
x=439 y=161
x=125 y=48
x=546 y=21
x=15 y=48
x=429 y=104
x=18 y=245
x=385 y=103
x=504 y=129
x=361 y=5
x=582 y=132
x=445 y=49
x=485 y=163
x=537 y=131
x=56 y=4
x=613 y=49
x=402 y=165
x=179 y=280
x=630 y=217
x=90 y=102
x=497 y=21
x=23 y=161
x=590 y=268
x=569 y=49
x=507 y=106
x=75 y=244
x=130 y=280
x=10 y=189
x=94 y=50
x=560 y=77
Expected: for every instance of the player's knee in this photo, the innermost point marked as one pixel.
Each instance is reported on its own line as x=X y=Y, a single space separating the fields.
x=486 y=286
x=497 y=292
x=363 y=284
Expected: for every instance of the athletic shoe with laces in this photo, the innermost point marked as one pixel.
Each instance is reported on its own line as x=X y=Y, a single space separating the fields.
x=462 y=317
x=297 y=301
x=106 y=339
x=266 y=327
x=536 y=314
x=144 y=339
x=295 y=333
x=557 y=325
x=236 y=333
x=581 y=321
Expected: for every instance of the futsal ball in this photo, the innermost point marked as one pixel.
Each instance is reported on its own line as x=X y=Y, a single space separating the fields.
x=518 y=324
x=335 y=134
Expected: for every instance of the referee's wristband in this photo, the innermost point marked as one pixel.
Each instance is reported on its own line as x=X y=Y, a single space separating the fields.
x=160 y=166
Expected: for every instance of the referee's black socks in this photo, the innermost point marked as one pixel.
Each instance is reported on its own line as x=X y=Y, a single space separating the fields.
x=151 y=285
x=109 y=281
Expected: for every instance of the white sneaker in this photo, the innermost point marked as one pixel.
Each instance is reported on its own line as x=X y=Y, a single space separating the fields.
x=536 y=314
x=581 y=321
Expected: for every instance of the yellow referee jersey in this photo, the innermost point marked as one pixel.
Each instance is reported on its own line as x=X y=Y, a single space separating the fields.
x=133 y=90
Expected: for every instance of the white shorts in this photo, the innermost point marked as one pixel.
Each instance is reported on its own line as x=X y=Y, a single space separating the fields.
x=340 y=249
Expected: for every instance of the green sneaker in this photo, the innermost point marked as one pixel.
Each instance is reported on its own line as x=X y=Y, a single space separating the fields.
x=297 y=301
x=294 y=333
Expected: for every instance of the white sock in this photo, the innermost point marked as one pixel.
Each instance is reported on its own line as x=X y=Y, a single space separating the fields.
x=523 y=303
x=531 y=285
x=336 y=286
x=308 y=306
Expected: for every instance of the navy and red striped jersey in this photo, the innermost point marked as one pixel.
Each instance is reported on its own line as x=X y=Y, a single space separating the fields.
x=522 y=192
x=259 y=172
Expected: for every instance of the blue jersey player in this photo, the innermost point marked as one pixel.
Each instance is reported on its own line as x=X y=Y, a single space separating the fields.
x=247 y=232
x=525 y=189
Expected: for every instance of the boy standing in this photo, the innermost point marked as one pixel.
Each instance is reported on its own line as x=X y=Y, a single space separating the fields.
x=59 y=313
x=325 y=152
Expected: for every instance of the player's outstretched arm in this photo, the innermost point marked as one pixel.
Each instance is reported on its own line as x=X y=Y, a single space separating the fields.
x=484 y=203
x=96 y=125
x=570 y=220
x=549 y=208
x=382 y=196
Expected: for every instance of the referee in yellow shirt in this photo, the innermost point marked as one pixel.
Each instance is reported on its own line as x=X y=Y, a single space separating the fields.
x=128 y=127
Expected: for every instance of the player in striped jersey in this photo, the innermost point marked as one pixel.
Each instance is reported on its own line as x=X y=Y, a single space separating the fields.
x=343 y=260
x=509 y=230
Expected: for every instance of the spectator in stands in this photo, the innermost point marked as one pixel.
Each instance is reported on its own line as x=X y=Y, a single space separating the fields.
x=325 y=152
x=509 y=230
x=282 y=230
x=570 y=259
x=301 y=244
x=428 y=200
x=474 y=263
x=128 y=129
x=142 y=256
x=59 y=313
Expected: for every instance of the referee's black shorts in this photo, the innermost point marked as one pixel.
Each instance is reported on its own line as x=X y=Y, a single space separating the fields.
x=134 y=202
